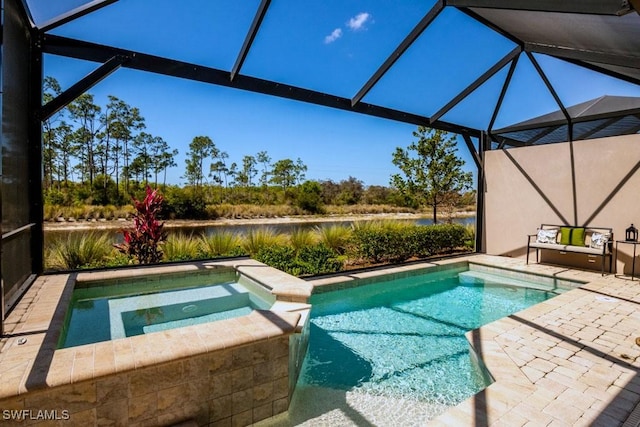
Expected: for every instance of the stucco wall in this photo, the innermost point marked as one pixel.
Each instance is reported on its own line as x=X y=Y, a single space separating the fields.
x=532 y=185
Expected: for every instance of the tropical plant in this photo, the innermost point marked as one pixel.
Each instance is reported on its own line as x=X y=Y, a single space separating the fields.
x=145 y=239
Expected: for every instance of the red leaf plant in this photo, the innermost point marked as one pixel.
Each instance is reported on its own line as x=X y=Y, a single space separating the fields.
x=144 y=239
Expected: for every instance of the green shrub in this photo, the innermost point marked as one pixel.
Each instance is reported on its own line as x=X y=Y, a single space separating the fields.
x=256 y=239
x=423 y=241
x=310 y=260
x=449 y=236
x=113 y=259
x=301 y=238
x=388 y=242
x=309 y=197
x=223 y=243
x=335 y=237
x=81 y=250
x=181 y=247
x=383 y=241
x=54 y=197
x=186 y=203
x=470 y=236
x=279 y=256
x=318 y=259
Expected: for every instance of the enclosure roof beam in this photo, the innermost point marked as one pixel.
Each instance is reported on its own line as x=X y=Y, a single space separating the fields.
x=88 y=51
x=584 y=55
x=472 y=150
x=549 y=86
x=590 y=59
x=503 y=92
x=481 y=19
x=86 y=83
x=73 y=14
x=27 y=13
x=397 y=53
x=591 y=7
x=479 y=81
x=251 y=35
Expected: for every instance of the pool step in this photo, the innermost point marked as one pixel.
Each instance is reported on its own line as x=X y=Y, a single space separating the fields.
x=131 y=315
x=474 y=277
x=189 y=321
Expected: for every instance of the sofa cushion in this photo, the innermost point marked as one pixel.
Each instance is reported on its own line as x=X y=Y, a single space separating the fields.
x=568 y=248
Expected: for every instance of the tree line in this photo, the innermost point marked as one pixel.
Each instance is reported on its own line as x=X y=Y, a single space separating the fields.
x=103 y=149
x=103 y=155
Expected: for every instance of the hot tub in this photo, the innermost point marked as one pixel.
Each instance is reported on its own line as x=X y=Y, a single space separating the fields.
x=110 y=309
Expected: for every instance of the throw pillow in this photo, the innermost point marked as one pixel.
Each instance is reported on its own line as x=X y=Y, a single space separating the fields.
x=565 y=235
x=572 y=236
x=577 y=237
x=547 y=236
x=598 y=240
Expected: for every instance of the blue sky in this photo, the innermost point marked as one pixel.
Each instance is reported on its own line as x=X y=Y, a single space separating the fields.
x=326 y=45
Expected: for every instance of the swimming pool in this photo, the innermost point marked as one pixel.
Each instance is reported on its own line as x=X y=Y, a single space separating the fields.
x=106 y=310
x=394 y=351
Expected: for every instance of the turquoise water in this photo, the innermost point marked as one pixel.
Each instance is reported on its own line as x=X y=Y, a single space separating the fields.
x=111 y=310
x=404 y=339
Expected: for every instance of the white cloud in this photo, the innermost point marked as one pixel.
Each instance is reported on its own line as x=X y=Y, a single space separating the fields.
x=357 y=22
x=335 y=35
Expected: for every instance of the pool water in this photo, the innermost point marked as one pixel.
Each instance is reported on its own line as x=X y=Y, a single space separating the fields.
x=102 y=311
x=394 y=352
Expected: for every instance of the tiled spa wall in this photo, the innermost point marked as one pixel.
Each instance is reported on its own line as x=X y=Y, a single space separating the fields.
x=238 y=386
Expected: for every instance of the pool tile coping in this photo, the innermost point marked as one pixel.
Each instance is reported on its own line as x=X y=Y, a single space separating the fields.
x=569 y=361
x=38 y=320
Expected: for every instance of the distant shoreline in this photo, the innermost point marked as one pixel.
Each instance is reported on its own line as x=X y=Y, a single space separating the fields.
x=302 y=219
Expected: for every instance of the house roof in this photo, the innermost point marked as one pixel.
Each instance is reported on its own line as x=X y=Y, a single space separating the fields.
x=596 y=118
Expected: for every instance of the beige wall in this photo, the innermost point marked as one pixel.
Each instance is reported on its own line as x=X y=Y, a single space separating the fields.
x=532 y=185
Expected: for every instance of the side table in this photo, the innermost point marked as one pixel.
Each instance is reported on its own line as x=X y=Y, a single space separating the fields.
x=633 y=260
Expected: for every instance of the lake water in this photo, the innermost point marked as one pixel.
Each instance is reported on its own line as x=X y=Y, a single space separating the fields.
x=51 y=235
